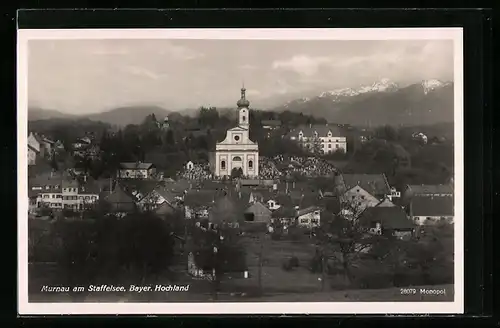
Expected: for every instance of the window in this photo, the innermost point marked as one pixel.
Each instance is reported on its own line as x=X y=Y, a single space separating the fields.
x=45 y=196
x=250 y=164
x=329 y=146
x=243 y=118
x=236 y=138
x=337 y=146
x=304 y=220
x=314 y=220
x=223 y=165
x=237 y=159
x=362 y=197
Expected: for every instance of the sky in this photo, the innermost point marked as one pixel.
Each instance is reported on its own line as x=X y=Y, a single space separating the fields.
x=89 y=76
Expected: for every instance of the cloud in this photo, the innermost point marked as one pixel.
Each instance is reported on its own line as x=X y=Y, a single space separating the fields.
x=302 y=64
x=252 y=92
x=180 y=52
x=141 y=71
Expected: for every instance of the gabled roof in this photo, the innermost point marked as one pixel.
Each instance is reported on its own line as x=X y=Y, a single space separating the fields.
x=375 y=184
x=389 y=217
x=136 y=165
x=139 y=188
x=258 y=208
x=284 y=212
x=199 y=198
x=420 y=190
x=226 y=209
x=120 y=195
x=432 y=206
x=307 y=210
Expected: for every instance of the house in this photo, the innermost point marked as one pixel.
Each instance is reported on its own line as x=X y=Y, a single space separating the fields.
x=32 y=154
x=136 y=170
x=309 y=217
x=62 y=192
x=285 y=215
x=258 y=212
x=189 y=166
x=120 y=200
x=270 y=124
x=40 y=143
x=387 y=220
x=200 y=262
x=427 y=190
x=323 y=138
x=226 y=210
x=198 y=202
x=82 y=143
x=359 y=197
x=419 y=136
x=374 y=184
x=34 y=142
x=425 y=210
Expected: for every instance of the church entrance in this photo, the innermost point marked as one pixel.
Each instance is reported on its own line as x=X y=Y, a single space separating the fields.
x=237 y=163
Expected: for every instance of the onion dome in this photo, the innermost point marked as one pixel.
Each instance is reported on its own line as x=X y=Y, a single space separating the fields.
x=243 y=102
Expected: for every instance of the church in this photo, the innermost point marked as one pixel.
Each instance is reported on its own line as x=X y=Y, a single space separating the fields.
x=237 y=150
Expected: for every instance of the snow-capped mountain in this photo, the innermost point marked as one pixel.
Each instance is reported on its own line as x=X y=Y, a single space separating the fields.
x=430 y=85
x=382 y=102
x=384 y=85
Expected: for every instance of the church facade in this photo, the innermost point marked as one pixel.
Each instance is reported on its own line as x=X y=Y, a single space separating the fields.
x=237 y=151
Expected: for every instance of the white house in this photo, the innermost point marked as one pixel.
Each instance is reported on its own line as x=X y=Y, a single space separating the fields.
x=309 y=217
x=237 y=151
x=328 y=139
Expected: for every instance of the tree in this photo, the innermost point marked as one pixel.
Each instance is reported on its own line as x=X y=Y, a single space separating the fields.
x=345 y=239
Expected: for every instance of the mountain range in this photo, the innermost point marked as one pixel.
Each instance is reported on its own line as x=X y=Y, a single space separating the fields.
x=383 y=102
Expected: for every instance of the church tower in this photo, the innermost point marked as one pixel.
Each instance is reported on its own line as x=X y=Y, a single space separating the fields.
x=243 y=111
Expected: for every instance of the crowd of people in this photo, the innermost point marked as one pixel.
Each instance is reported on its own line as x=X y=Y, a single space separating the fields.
x=269 y=168
x=310 y=167
x=196 y=171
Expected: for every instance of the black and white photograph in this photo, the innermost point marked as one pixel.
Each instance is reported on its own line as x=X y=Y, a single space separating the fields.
x=273 y=170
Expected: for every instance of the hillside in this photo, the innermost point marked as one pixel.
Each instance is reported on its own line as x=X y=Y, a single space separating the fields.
x=35 y=114
x=121 y=116
x=382 y=103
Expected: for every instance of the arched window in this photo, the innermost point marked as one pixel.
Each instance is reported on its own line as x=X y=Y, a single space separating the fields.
x=243 y=118
x=237 y=159
x=223 y=165
x=250 y=164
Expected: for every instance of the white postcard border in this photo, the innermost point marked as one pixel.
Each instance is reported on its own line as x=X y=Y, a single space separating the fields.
x=27 y=308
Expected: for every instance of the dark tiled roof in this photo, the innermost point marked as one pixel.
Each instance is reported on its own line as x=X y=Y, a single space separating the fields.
x=199 y=198
x=388 y=217
x=139 y=188
x=375 y=184
x=226 y=209
x=258 y=208
x=284 y=212
x=136 y=166
x=430 y=189
x=307 y=210
x=120 y=196
x=432 y=206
